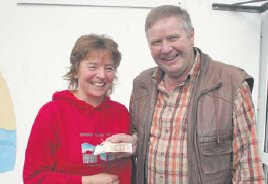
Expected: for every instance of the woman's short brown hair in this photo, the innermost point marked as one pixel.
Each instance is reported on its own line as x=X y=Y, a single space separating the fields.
x=83 y=46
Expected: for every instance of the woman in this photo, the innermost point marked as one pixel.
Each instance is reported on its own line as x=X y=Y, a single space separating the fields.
x=68 y=128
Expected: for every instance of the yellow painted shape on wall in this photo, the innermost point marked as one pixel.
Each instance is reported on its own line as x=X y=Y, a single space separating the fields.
x=7 y=115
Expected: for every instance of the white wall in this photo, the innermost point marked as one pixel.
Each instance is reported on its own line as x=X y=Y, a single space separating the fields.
x=35 y=43
x=263 y=89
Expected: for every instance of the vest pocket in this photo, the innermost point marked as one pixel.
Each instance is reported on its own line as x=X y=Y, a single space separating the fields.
x=215 y=156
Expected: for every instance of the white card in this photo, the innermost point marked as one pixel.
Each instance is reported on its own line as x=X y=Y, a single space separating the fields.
x=113 y=147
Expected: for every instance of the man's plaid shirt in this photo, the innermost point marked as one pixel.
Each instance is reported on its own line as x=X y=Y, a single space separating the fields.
x=167 y=158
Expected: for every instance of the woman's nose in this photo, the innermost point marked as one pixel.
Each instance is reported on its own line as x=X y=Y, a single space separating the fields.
x=100 y=73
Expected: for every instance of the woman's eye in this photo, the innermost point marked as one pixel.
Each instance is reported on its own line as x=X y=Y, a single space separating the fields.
x=92 y=67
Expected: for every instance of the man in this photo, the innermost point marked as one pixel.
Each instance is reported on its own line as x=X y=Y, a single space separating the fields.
x=193 y=116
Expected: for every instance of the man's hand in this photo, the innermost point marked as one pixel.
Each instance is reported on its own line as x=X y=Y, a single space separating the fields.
x=123 y=138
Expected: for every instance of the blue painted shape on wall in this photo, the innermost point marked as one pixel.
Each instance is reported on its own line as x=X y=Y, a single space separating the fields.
x=7 y=149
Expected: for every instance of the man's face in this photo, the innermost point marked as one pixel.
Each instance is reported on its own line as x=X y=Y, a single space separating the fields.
x=171 y=46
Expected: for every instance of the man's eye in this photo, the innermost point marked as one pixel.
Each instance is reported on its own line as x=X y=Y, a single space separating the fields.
x=110 y=69
x=155 y=43
x=174 y=38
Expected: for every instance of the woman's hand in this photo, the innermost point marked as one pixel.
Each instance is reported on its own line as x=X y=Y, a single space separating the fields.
x=102 y=178
x=123 y=138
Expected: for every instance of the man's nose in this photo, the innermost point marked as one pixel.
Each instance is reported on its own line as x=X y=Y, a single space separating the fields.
x=166 y=47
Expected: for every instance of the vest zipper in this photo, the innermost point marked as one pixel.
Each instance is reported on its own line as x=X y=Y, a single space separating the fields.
x=195 y=111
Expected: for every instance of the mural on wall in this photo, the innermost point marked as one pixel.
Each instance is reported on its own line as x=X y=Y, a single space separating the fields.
x=7 y=129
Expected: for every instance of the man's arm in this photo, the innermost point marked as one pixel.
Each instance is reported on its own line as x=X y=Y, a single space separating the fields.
x=247 y=163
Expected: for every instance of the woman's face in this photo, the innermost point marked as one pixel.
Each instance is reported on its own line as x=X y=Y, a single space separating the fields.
x=95 y=77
